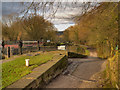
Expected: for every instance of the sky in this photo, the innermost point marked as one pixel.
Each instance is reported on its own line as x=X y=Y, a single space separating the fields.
x=62 y=27
x=62 y=19
x=9 y=8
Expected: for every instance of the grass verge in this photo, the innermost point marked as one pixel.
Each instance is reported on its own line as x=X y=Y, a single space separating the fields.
x=16 y=69
x=110 y=75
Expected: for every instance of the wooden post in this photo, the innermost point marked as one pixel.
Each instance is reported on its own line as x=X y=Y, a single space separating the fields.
x=38 y=46
x=11 y=53
x=20 y=46
x=21 y=50
x=8 y=52
x=2 y=50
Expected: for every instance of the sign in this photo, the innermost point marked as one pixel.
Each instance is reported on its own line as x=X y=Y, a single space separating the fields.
x=61 y=47
x=48 y=40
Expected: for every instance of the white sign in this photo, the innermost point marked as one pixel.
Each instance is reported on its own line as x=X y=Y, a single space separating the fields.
x=61 y=47
x=48 y=40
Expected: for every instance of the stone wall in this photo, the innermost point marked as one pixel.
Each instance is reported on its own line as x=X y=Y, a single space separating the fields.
x=51 y=73
x=43 y=74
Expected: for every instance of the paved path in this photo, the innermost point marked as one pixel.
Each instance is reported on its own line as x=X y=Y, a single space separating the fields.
x=79 y=73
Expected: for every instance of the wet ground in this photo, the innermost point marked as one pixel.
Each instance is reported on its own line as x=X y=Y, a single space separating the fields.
x=79 y=73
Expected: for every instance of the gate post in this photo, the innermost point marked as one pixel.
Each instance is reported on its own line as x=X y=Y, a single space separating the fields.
x=8 y=52
x=20 y=46
x=38 y=46
x=3 y=44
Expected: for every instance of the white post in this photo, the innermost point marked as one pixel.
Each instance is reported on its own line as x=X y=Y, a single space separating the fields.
x=27 y=62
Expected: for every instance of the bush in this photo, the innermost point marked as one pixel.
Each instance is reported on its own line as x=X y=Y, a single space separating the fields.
x=81 y=50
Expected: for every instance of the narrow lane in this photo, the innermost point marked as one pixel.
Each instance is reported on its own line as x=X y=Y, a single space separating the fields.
x=78 y=73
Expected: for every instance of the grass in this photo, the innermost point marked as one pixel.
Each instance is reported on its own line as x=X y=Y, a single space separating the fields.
x=105 y=80
x=87 y=52
x=16 y=69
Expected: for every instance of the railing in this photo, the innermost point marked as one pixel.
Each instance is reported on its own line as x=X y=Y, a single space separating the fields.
x=28 y=46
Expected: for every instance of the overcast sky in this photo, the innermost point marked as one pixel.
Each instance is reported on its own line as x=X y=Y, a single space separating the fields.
x=63 y=17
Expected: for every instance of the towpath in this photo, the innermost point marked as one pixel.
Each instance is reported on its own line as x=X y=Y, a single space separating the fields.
x=81 y=73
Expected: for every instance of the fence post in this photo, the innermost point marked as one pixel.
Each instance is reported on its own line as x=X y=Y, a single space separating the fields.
x=38 y=46
x=20 y=46
x=3 y=44
x=8 y=52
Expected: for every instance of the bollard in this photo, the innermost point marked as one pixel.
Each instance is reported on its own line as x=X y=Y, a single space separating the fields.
x=27 y=62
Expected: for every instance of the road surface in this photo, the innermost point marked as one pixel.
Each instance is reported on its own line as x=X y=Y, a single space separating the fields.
x=79 y=73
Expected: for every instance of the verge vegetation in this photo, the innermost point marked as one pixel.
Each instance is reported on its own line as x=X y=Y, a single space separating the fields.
x=16 y=69
x=99 y=28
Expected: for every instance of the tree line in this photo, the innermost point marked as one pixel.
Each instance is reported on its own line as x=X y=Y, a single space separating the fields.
x=98 y=27
x=33 y=27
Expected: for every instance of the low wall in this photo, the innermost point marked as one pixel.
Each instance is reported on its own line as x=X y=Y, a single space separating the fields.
x=75 y=55
x=44 y=76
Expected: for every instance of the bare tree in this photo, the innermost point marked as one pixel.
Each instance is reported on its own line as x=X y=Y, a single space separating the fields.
x=53 y=7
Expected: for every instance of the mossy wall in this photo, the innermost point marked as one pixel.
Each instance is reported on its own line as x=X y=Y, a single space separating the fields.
x=77 y=51
x=51 y=73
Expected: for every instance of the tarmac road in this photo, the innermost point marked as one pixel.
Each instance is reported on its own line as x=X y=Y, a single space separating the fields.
x=79 y=73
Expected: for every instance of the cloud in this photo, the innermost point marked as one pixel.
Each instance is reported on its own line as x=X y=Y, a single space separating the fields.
x=66 y=13
x=11 y=7
x=63 y=17
x=62 y=27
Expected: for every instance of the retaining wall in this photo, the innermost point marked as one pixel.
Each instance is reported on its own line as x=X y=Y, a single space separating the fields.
x=42 y=75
